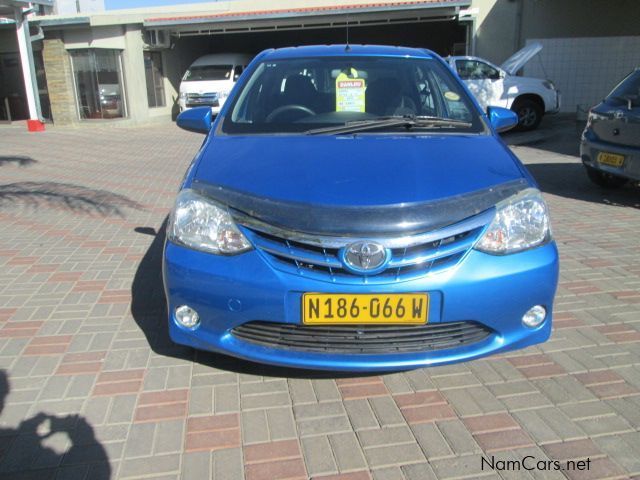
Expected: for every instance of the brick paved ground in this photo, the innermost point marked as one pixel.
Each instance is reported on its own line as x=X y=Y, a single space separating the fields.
x=95 y=390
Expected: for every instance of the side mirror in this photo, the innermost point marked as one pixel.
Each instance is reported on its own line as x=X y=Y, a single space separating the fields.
x=502 y=119
x=196 y=120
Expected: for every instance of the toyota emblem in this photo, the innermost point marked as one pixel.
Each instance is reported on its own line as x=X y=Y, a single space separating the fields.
x=364 y=256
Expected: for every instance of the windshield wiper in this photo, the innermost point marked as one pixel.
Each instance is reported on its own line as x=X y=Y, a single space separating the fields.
x=407 y=121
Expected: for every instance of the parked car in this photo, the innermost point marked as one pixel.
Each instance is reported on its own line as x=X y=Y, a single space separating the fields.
x=529 y=97
x=353 y=208
x=209 y=79
x=610 y=146
x=110 y=100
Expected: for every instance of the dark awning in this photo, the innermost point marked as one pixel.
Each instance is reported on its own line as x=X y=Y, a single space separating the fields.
x=230 y=21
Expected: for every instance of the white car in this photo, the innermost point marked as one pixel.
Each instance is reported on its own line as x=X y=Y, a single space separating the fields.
x=209 y=80
x=529 y=97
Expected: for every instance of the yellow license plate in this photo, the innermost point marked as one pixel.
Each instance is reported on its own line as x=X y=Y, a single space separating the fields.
x=403 y=308
x=610 y=159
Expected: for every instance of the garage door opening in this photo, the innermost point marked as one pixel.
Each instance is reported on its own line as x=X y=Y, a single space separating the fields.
x=445 y=37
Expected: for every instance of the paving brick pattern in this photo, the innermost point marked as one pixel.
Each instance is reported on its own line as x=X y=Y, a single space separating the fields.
x=96 y=390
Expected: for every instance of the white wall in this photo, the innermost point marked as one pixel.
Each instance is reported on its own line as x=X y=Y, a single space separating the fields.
x=70 y=7
x=496 y=29
x=584 y=69
x=91 y=6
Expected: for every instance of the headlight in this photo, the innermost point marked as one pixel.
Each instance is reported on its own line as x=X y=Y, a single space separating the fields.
x=521 y=222
x=222 y=95
x=198 y=223
x=594 y=117
x=183 y=95
x=549 y=85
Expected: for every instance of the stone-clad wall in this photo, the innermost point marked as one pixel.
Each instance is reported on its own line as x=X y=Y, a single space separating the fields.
x=57 y=64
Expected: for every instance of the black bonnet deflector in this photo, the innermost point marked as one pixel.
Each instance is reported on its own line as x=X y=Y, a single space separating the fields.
x=402 y=219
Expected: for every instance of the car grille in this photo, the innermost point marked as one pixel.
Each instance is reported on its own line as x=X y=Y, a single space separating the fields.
x=202 y=99
x=362 y=339
x=319 y=258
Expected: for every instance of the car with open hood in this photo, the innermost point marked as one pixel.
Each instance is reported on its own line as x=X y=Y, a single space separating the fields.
x=610 y=146
x=531 y=98
x=353 y=208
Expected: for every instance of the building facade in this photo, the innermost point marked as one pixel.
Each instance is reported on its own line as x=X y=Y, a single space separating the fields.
x=126 y=65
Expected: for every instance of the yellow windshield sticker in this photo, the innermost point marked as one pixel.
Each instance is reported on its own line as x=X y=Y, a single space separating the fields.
x=350 y=92
x=453 y=96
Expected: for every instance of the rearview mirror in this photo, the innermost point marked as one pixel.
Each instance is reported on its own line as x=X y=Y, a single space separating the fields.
x=196 y=120
x=502 y=119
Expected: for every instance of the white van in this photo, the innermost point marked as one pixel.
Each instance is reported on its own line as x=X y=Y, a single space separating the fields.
x=208 y=81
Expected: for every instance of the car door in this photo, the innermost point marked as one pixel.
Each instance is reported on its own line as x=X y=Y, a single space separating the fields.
x=485 y=81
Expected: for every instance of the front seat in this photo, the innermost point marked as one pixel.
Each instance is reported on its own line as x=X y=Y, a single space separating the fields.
x=385 y=97
x=299 y=90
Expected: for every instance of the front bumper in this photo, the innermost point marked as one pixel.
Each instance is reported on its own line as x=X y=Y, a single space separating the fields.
x=215 y=108
x=228 y=291
x=555 y=106
x=590 y=148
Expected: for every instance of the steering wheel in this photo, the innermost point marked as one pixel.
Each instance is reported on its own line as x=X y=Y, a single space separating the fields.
x=287 y=108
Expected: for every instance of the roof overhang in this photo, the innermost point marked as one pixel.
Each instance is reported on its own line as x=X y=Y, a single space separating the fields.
x=242 y=15
x=62 y=21
x=319 y=16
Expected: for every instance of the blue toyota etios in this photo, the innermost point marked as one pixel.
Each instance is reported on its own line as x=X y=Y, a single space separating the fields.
x=352 y=208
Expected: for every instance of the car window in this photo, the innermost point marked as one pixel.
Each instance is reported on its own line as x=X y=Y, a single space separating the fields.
x=452 y=101
x=476 y=70
x=208 y=72
x=295 y=95
x=628 y=90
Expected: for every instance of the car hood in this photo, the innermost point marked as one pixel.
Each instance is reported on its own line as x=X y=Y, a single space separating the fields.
x=519 y=59
x=304 y=182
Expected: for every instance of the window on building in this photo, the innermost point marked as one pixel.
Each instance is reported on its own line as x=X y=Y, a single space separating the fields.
x=99 y=86
x=155 y=79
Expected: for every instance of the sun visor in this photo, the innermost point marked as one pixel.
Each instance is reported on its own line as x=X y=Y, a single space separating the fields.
x=397 y=219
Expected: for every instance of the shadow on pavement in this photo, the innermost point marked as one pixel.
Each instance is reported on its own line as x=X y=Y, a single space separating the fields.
x=148 y=307
x=556 y=134
x=66 y=196
x=19 y=160
x=570 y=180
x=45 y=443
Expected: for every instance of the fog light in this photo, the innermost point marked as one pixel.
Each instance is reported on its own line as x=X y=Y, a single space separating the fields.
x=187 y=317
x=534 y=316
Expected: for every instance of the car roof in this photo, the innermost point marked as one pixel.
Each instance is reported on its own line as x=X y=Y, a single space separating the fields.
x=222 y=59
x=464 y=57
x=344 y=50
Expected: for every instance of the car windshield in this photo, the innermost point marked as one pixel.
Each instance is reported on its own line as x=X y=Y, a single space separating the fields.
x=208 y=72
x=313 y=94
x=627 y=91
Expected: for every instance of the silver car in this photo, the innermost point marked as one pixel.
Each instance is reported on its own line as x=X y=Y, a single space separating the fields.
x=610 y=147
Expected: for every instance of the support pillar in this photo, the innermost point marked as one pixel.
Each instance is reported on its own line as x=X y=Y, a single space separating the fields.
x=28 y=70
